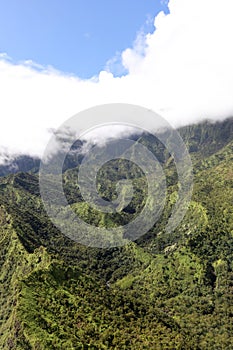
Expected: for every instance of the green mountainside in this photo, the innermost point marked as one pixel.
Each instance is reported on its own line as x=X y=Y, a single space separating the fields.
x=163 y=291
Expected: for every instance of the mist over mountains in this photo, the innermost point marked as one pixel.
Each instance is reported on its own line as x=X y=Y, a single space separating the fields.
x=193 y=136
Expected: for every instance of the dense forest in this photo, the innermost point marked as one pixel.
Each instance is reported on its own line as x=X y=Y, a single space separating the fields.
x=162 y=291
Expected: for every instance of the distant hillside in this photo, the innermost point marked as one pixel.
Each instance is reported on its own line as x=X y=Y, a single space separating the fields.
x=164 y=291
x=18 y=164
x=201 y=139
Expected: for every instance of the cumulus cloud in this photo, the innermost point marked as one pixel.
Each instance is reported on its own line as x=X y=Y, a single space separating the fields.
x=183 y=71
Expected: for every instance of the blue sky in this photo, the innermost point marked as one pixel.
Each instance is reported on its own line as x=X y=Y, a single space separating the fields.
x=74 y=36
x=183 y=69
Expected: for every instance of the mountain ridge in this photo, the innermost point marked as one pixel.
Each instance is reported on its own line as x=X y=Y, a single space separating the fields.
x=192 y=135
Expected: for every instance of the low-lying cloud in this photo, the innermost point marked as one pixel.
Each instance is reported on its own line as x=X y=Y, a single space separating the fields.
x=183 y=71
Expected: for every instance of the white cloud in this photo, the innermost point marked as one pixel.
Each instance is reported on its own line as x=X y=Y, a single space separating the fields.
x=183 y=70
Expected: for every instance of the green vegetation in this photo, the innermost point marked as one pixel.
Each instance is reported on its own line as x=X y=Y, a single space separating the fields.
x=164 y=291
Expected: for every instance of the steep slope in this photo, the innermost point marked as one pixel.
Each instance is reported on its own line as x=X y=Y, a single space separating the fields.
x=161 y=292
